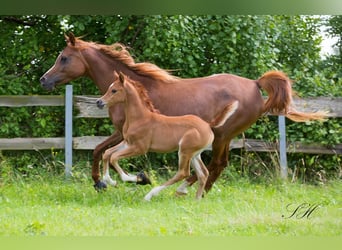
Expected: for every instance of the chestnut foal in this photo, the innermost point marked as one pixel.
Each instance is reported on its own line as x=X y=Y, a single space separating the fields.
x=146 y=130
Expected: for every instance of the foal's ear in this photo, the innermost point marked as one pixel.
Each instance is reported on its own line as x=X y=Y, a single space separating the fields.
x=121 y=77
x=70 y=38
x=116 y=76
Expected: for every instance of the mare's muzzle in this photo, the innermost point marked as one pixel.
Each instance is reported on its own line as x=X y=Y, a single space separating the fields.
x=46 y=84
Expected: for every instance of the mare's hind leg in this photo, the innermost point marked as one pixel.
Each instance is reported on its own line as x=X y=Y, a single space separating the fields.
x=183 y=172
x=217 y=165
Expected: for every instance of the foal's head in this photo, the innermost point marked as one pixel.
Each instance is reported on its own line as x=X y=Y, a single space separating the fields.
x=115 y=93
x=122 y=87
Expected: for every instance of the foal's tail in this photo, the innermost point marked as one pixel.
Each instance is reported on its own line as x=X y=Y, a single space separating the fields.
x=279 y=102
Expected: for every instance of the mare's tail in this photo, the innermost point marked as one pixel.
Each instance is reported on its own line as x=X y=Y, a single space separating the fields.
x=279 y=102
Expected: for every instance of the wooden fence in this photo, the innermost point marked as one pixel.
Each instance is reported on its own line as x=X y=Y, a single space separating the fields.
x=87 y=108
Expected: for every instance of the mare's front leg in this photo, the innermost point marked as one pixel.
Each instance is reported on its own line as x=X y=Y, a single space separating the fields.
x=114 y=139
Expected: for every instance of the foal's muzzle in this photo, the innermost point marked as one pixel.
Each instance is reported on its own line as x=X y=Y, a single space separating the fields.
x=100 y=104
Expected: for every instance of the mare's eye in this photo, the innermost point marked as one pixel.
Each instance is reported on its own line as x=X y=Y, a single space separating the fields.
x=64 y=59
x=113 y=91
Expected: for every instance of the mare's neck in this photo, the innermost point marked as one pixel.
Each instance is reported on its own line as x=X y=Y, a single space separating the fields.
x=101 y=67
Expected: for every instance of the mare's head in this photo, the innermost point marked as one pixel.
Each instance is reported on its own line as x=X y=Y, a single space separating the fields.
x=69 y=65
x=115 y=93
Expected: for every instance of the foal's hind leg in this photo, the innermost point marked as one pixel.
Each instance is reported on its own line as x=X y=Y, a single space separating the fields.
x=218 y=162
x=183 y=172
x=201 y=173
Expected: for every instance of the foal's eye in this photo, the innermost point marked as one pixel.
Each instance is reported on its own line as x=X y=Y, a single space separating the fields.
x=113 y=91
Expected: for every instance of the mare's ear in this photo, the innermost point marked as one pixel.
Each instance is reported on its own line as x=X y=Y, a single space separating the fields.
x=70 y=39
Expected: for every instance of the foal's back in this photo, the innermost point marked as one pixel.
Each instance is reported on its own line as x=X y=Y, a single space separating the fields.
x=168 y=133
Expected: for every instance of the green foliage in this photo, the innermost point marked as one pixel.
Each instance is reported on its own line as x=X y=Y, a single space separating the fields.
x=192 y=46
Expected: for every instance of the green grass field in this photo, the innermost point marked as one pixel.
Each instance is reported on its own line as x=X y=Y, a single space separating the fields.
x=55 y=207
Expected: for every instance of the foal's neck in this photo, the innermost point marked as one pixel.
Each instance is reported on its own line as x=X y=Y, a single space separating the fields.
x=135 y=108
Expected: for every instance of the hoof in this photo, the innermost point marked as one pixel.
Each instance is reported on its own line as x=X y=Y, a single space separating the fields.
x=143 y=179
x=100 y=186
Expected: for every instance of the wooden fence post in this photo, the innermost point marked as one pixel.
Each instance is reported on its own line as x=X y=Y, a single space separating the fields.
x=68 y=129
x=282 y=147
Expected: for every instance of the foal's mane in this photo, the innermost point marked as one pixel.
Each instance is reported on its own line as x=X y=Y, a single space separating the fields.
x=119 y=52
x=142 y=93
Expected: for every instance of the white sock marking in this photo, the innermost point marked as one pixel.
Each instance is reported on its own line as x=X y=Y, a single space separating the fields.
x=182 y=189
x=154 y=192
x=108 y=180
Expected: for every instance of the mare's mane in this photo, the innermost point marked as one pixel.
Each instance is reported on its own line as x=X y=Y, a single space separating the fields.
x=119 y=52
x=142 y=93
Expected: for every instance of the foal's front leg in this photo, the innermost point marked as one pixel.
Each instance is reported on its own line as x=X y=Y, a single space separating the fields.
x=114 y=139
x=106 y=157
x=124 y=151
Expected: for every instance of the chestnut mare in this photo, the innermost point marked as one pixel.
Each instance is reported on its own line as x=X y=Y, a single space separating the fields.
x=146 y=130
x=205 y=97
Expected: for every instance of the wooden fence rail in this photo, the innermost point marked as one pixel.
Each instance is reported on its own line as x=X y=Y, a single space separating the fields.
x=87 y=108
x=89 y=143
